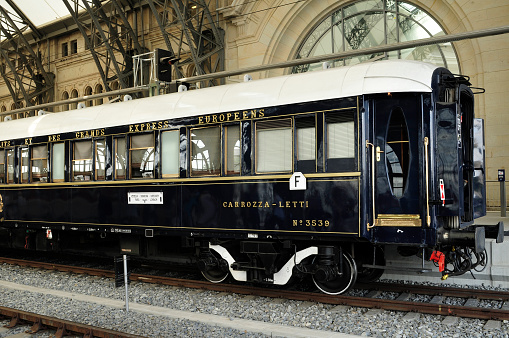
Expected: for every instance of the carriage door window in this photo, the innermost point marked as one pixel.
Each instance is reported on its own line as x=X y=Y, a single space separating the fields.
x=274 y=146
x=58 y=162
x=24 y=165
x=205 y=151
x=397 y=152
x=39 y=161
x=10 y=165
x=2 y=166
x=100 y=159
x=170 y=153
x=120 y=158
x=82 y=161
x=306 y=144
x=142 y=156
x=340 y=141
x=232 y=150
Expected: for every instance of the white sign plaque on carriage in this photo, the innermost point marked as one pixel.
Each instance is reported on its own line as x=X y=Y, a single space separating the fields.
x=298 y=181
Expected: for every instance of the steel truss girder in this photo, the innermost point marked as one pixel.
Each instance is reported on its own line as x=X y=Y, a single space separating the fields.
x=105 y=20
x=29 y=81
x=193 y=37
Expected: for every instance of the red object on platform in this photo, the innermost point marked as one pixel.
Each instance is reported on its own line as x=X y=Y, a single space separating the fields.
x=438 y=257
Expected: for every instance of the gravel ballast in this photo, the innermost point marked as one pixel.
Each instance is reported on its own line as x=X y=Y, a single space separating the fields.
x=348 y=320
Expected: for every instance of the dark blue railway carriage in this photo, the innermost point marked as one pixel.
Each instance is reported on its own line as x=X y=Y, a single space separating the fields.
x=309 y=174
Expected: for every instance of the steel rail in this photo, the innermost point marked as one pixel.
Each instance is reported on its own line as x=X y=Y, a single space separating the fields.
x=291 y=63
x=62 y=327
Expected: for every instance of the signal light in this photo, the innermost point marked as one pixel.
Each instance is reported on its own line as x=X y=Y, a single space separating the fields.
x=164 y=60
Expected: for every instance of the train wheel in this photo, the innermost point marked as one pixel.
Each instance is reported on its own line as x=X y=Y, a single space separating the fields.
x=214 y=268
x=340 y=283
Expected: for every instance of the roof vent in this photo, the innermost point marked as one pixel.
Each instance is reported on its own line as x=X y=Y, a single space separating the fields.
x=325 y=65
x=127 y=98
x=41 y=112
x=248 y=78
x=182 y=88
x=82 y=105
x=8 y=118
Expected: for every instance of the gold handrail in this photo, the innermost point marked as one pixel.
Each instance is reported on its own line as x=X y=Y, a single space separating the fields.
x=426 y=161
x=372 y=182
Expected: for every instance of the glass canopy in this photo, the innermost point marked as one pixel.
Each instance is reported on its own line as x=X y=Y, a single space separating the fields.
x=39 y=12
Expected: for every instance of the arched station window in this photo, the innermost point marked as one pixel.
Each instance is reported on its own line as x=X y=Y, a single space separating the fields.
x=88 y=92
x=74 y=94
x=98 y=90
x=370 y=23
x=65 y=96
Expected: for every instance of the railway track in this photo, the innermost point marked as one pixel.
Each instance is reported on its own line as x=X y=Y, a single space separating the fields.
x=401 y=299
x=59 y=326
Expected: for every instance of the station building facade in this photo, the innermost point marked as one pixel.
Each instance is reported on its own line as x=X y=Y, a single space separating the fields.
x=270 y=31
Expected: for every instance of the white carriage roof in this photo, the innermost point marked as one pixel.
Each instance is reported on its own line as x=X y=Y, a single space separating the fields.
x=368 y=78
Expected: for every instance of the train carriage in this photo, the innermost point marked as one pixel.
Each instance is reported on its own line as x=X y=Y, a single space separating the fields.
x=307 y=174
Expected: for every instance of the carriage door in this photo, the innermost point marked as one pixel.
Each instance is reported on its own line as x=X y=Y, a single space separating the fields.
x=397 y=169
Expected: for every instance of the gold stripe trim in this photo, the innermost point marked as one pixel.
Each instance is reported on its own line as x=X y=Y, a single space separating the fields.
x=208 y=179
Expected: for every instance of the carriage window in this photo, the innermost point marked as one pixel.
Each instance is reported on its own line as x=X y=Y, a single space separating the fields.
x=10 y=165
x=274 y=146
x=58 y=162
x=397 y=152
x=233 y=150
x=2 y=166
x=206 y=151
x=306 y=144
x=340 y=141
x=170 y=153
x=39 y=165
x=82 y=161
x=142 y=156
x=100 y=159
x=120 y=158
x=24 y=165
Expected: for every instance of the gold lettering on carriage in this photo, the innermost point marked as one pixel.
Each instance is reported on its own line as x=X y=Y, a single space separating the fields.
x=5 y=144
x=54 y=138
x=230 y=117
x=144 y=127
x=90 y=133
x=266 y=204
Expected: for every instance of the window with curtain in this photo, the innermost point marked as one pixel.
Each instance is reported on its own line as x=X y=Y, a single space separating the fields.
x=39 y=165
x=58 y=162
x=340 y=128
x=141 y=155
x=82 y=161
x=2 y=166
x=100 y=159
x=371 y=23
x=24 y=165
x=120 y=158
x=10 y=165
x=206 y=151
x=274 y=146
x=170 y=153
x=306 y=143
x=233 y=149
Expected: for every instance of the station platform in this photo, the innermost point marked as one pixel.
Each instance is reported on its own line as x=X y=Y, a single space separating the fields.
x=496 y=273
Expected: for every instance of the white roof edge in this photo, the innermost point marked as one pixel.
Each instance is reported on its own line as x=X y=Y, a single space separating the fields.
x=367 y=78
